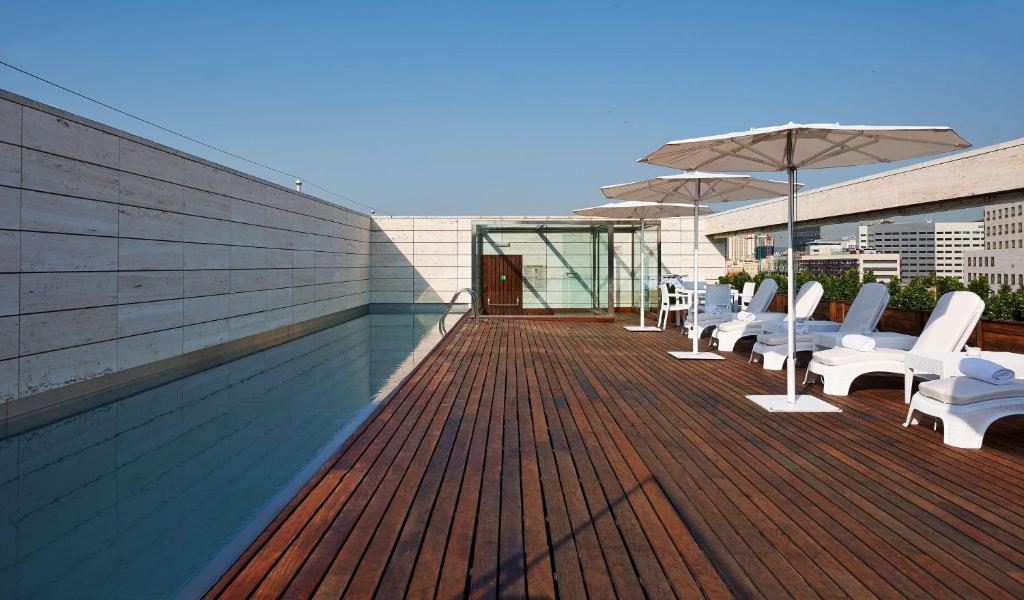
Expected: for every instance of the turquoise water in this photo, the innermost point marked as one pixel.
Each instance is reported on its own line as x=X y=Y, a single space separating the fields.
x=153 y=496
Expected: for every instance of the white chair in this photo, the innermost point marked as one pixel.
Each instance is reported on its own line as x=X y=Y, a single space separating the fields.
x=731 y=332
x=862 y=318
x=746 y=294
x=966 y=406
x=719 y=294
x=947 y=330
x=671 y=302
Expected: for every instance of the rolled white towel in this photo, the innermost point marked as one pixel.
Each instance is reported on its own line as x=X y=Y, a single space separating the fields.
x=987 y=371
x=745 y=316
x=860 y=343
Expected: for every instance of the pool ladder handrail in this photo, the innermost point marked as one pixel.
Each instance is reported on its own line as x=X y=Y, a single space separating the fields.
x=474 y=300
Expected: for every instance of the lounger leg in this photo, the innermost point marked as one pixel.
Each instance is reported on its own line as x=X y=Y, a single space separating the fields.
x=726 y=342
x=837 y=385
x=774 y=361
x=910 y=417
x=960 y=434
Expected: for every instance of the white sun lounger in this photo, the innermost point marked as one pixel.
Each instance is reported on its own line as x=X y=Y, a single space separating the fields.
x=947 y=330
x=758 y=303
x=966 y=406
x=862 y=318
x=719 y=294
x=807 y=300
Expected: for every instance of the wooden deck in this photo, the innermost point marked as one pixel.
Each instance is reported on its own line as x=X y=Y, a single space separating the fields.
x=543 y=459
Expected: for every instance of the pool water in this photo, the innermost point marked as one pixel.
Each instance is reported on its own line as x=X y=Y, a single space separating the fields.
x=153 y=496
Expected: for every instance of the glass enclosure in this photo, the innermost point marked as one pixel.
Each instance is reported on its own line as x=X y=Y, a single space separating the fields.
x=627 y=263
x=567 y=268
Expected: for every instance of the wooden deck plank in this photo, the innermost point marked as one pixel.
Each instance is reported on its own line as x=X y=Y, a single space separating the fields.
x=536 y=545
x=548 y=458
x=414 y=565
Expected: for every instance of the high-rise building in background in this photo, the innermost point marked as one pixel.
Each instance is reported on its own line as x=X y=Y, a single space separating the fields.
x=924 y=248
x=747 y=251
x=1002 y=258
x=803 y=236
x=751 y=246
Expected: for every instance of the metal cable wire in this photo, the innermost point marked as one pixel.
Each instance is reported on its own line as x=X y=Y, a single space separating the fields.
x=186 y=137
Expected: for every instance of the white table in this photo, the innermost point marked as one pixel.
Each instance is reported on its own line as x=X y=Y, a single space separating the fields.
x=947 y=364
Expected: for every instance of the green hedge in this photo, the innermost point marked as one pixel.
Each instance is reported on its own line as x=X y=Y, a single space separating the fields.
x=920 y=293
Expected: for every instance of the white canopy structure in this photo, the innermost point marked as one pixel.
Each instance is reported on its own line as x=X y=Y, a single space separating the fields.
x=695 y=188
x=643 y=211
x=796 y=146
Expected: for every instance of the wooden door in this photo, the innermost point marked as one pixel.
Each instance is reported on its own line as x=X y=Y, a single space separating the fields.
x=503 y=284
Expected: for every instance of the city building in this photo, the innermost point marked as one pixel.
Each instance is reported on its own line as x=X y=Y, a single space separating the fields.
x=884 y=266
x=826 y=247
x=751 y=246
x=804 y=236
x=924 y=248
x=1002 y=259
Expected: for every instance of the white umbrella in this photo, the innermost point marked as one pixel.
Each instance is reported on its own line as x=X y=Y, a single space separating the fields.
x=696 y=187
x=795 y=146
x=642 y=210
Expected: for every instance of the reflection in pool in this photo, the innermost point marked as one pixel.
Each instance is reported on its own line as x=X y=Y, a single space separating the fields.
x=154 y=495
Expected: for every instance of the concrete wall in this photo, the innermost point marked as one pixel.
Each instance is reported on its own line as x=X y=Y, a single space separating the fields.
x=419 y=259
x=427 y=259
x=116 y=251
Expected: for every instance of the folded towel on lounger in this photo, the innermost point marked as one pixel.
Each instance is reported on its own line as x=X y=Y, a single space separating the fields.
x=986 y=370
x=860 y=343
x=717 y=309
x=745 y=316
x=801 y=328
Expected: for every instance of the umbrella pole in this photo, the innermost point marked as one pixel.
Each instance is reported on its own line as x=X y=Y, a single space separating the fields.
x=643 y=274
x=694 y=329
x=790 y=308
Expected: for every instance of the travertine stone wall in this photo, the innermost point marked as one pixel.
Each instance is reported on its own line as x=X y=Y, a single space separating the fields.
x=426 y=259
x=116 y=251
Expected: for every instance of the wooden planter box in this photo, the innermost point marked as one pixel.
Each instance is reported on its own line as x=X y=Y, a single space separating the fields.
x=997 y=336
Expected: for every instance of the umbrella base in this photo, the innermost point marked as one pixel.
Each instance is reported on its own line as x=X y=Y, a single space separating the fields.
x=804 y=403
x=635 y=328
x=682 y=354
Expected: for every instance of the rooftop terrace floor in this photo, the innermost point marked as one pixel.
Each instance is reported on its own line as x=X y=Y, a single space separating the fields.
x=535 y=458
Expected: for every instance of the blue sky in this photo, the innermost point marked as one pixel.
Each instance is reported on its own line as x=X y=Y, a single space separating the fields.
x=514 y=108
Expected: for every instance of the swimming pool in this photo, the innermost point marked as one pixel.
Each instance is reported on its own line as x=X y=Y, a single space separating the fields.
x=153 y=496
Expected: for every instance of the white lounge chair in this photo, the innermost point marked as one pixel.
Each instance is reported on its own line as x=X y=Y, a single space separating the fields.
x=947 y=330
x=719 y=294
x=807 y=300
x=966 y=406
x=862 y=318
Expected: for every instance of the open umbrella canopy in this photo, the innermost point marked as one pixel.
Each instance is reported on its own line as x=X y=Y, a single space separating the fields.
x=697 y=186
x=814 y=146
x=790 y=148
x=636 y=209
